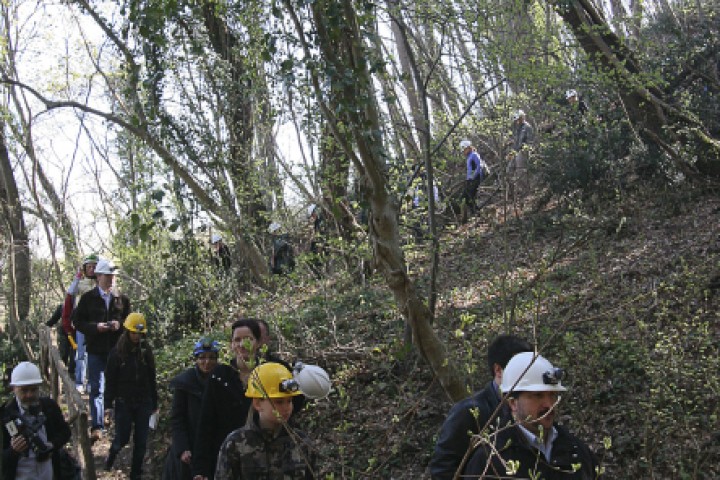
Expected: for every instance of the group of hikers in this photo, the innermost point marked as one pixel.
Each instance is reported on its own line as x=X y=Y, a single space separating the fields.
x=239 y=420
x=282 y=254
x=253 y=398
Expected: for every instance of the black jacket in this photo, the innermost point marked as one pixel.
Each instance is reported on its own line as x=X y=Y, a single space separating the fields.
x=460 y=424
x=90 y=311
x=56 y=428
x=224 y=408
x=131 y=378
x=512 y=444
x=188 y=389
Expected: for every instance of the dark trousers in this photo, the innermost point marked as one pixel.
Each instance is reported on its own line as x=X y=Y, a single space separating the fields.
x=470 y=193
x=128 y=414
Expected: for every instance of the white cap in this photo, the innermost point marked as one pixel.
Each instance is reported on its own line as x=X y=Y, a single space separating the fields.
x=215 y=238
x=311 y=209
x=274 y=227
x=106 y=267
x=526 y=372
x=25 y=373
x=570 y=93
x=519 y=113
x=314 y=382
x=465 y=144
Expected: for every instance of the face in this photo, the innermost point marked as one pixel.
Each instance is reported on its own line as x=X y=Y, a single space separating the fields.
x=466 y=150
x=273 y=411
x=206 y=361
x=105 y=280
x=530 y=406
x=27 y=394
x=134 y=337
x=89 y=270
x=243 y=343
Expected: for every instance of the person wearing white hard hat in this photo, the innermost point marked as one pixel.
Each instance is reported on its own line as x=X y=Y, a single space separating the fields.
x=99 y=315
x=539 y=446
x=475 y=173
x=577 y=105
x=471 y=415
x=34 y=429
x=219 y=253
x=84 y=281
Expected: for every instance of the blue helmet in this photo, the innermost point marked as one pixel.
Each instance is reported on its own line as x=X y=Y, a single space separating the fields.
x=205 y=345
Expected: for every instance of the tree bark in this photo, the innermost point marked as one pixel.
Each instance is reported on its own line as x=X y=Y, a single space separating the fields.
x=18 y=290
x=338 y=20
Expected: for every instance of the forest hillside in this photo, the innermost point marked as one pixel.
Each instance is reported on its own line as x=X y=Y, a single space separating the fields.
x=624 y=297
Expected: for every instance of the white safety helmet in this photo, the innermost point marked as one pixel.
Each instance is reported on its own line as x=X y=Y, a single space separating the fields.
x=313 y=381
x=215 y=238
x=465 y=144
x=526 y=372
x=106 y=267
x=570 y=93
x=519 y=113
x=311 y=209
x=25 y=373
x=274 y=227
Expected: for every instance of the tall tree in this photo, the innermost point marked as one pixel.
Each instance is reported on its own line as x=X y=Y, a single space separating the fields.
x=336 y=23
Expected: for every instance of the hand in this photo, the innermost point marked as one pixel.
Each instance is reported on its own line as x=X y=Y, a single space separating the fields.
x=186 y=456
x=109 y=415
x=102 y=327
x=199 y=477
x=79 y=273
x=18 y=444
x=114 y=325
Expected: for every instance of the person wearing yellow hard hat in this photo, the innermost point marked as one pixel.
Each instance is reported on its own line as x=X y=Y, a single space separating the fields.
x=267 y=442
x=131 y=391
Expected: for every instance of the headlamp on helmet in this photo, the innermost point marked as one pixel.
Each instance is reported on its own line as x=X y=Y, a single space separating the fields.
x=205 y=345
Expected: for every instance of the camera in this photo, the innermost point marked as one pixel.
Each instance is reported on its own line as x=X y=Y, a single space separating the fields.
x=29 y=427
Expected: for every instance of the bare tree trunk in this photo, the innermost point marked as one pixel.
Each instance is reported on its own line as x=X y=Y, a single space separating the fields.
x=18 y=291
x=338 y=20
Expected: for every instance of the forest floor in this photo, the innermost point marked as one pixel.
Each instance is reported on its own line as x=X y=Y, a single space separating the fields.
x=624 y=294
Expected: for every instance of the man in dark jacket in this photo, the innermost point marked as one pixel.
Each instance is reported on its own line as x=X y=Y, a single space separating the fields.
x=34 y=429
x=529 y=443
x=99 y=316
x=468 y=417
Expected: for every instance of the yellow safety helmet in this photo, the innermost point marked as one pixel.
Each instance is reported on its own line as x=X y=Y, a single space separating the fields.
x=272 y=380
x=135 y=322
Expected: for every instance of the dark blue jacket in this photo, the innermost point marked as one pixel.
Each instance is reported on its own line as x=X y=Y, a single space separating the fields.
x=568 y=452
x=460 y=424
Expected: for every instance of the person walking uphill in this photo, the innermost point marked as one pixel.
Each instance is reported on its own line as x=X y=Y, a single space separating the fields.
x=476 y=172
x=34 y=430
x=99 y=316
x=131 y=389
x=188 y=389
x=267 y=447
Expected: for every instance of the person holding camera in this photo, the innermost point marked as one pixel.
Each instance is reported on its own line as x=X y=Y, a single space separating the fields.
x=99 y=316
x=34 y=429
